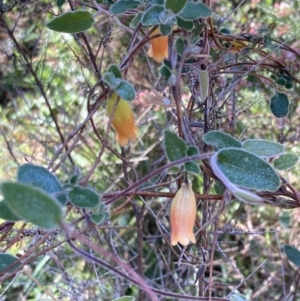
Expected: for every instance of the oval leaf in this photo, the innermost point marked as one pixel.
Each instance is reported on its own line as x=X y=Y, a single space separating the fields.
x=72 y=22
x=84 y=197
x=115 y=70
x=192 y=151
x=220 y=140
x=125 y=90
x=151 y=16
x=111 y=79
x=279 y=105
x=292 y=254
x=165 y=72
x=184 y=24
x=7 y=260
x=192 y=167
x=237 y=297
x=136 y=20
x=125 y=298
x=165 y=29
x=247 y=197
x=175 y=146
x=176 y=6
x=123 y=6
x=203 y=84
x=286 y=161
x=60 y=3
x=41 y=177
x=246 y=169
x=193 y=11
x=6 y=214
x=32 y=204
x=263 y=148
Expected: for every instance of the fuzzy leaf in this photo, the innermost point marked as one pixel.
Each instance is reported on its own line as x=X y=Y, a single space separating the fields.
x=123 y=6
x=176 y=6
x=286 y=161
x=203 y=84
x=72 y=22
x=125 y=90
x=6 y=214
x=151 y=16
x=279 y=105
x=6 y=260
x=84 y=197
x=41 y=177
x=263 y=148
x=192 y=167
x=292 y=254
x=193 y=11
x=246 y=169
x=220 y=140
x=175 y=146
x=32 y=204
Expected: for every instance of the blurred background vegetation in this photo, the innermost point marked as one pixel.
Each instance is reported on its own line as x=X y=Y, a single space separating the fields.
x=48 y=86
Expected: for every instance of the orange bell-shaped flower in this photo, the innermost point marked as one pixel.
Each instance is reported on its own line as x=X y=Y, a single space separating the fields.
x=183 y=216
x=159 y=47
x=122 y=120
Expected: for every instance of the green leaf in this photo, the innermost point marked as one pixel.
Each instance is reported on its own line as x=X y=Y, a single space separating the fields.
x=292 y=254
x=6 y=260
x=203 y=84
x=123 y=6
x=111 y=80
x=125 y=90
x=220 y=140
x=192 y=167
x=237 y=297
x=284 y=219
x=286 y=161
x=245 y=169
x=175 y=146
x=192 y=151
x=187 y=25
x=98 y=218
x=84 y=197
x=165 y=72
x=72 y=22
x=115 y=70
x=263 y=148
x=160 y=2
x=136 y=20
x=180 y=45
x=165 y=29
x=167 y=17
x=41 y=177
x=125 y=298
x=279 y=105
x=246 y=196
x=60 y=3
x=193 y=11
x=32 y=204
x=151 y=16
x=176 y=6
x=6 y=214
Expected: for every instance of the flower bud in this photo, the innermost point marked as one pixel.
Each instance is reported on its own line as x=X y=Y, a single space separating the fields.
x=159 y=47
x=183 y=216
x=122 y=120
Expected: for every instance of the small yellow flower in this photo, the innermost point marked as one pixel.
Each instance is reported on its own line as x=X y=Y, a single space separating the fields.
x=159 y=47
x=123 y=119
x=183 y=216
